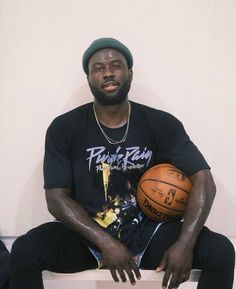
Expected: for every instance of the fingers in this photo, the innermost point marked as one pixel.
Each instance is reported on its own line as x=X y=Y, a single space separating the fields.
x=133 y=268
x=173 y=280
x=166 y=278
x=129 y=272
x=137 y=272
x=122 y=275
x=113 y=274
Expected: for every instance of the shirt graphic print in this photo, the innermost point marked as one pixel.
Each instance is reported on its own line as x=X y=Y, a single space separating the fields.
x=115 y=169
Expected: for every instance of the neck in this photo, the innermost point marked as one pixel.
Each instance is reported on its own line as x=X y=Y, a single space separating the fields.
x=112 y=116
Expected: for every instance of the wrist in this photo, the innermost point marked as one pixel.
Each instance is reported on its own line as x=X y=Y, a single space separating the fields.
x=187 y=241
x=105 y=240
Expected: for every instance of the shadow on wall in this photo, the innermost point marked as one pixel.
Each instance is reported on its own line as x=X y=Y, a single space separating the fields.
x=32 y=209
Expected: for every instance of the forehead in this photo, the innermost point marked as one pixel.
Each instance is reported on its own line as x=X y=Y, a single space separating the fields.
x=106 y=55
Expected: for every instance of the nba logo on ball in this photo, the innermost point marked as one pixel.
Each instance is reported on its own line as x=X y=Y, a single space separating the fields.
x=163 y=192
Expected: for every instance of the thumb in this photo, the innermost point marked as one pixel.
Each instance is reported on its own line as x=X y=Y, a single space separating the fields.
x=162 y=264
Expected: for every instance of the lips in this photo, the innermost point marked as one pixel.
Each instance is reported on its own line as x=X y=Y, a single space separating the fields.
x=110 y=85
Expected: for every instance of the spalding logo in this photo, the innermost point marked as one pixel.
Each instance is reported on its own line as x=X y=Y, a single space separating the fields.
x=154 y=211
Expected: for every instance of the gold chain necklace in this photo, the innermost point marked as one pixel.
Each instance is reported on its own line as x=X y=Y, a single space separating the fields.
x=110 y=140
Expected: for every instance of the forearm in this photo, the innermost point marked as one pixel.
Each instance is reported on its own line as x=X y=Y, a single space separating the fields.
x=198 y=207
x=75 y=217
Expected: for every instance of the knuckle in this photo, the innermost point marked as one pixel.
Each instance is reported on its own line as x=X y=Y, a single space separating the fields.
x=185 y=278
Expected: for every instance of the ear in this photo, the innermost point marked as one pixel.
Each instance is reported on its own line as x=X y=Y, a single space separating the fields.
x=131 y=74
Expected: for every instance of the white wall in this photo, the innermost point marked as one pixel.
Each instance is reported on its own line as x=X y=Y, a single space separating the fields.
x=184 y=55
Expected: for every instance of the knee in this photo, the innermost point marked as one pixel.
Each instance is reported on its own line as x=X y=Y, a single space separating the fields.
x=23 y=252
x=224 y=254
x=228 y=251
x=214 y=252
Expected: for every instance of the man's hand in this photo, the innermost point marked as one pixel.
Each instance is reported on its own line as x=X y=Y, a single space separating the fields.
x=119 y=259
x=177 y=263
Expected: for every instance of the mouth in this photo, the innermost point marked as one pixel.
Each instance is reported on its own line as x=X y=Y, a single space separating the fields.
x=110 y=86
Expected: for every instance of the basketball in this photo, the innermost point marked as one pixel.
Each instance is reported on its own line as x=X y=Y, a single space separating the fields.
x=163 y=192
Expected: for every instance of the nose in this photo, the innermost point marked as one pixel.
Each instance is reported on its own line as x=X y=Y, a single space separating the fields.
x=108 y=72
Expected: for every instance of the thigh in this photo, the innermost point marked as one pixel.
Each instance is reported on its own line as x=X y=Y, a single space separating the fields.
x=164 y=237
x=54 y=247
x=213 y=251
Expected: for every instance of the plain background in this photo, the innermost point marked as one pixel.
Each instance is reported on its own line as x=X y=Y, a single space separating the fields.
x=184 y=63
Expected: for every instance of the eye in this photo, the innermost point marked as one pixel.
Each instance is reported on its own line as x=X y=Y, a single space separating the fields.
x=116 y=65
x=98 y=68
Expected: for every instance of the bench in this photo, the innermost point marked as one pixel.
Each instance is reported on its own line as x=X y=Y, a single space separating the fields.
x=105 y=275
x=102 y=279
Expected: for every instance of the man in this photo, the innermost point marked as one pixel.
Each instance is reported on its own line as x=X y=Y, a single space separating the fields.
x=4 y=266
x=94 y=158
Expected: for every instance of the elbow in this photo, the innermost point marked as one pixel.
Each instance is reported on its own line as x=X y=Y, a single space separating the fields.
x=50 y=208
x=51 y=203
x=55 y=199
x=205 y=182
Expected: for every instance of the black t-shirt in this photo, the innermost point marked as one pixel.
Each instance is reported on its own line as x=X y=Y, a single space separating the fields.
x=103 y=177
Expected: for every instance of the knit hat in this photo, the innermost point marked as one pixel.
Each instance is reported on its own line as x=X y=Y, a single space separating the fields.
x=102 y=43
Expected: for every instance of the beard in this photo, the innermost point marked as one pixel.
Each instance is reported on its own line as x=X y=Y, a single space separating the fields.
x=113 y=98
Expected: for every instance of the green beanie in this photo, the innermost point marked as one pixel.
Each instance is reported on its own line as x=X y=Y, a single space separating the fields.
x=102 y=43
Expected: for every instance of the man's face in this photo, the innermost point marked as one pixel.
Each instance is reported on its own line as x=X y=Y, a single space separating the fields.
x=109 y=77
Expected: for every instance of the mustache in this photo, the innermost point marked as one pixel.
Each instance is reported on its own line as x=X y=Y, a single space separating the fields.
x=111 y=80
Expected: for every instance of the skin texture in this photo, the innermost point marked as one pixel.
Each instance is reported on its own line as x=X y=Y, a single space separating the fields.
x=109 y=79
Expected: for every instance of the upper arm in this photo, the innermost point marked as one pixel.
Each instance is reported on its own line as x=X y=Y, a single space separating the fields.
x=203 y=180
x=57 y=165
x=202 y=176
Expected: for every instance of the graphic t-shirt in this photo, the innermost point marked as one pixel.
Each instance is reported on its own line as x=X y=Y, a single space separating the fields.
x=103 y=177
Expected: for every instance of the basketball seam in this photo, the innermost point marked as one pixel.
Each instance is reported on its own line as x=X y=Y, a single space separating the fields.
x=170 y=209
x=165 y=165
x=161 y=166
x=164 y=183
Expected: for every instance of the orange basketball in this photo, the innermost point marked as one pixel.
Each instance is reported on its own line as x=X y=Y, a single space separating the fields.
x=163 y=192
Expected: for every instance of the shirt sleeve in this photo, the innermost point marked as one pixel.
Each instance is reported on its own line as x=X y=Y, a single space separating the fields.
x=57 y=165
x=178 y=149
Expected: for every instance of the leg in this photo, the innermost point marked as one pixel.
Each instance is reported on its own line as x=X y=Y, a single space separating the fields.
x=213 y=254
x=52 y=247
x=4 y=266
